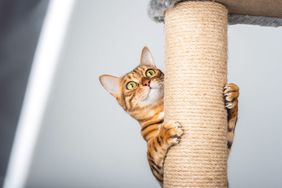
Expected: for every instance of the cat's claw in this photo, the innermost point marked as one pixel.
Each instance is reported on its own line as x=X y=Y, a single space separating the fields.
x=174 y=131
x=231 y=94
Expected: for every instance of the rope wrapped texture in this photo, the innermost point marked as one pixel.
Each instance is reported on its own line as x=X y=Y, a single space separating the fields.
x=196 y=72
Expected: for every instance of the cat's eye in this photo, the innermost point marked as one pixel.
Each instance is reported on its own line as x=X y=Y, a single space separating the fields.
x=150 y=72
x=131 y=85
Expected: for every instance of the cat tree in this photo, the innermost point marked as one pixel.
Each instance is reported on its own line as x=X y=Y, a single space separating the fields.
x=196 y=72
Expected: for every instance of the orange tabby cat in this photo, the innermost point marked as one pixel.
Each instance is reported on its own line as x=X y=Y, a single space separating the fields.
x=140 y=93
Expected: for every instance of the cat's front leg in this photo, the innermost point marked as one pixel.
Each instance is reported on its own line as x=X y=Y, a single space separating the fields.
x=169 y=134
x=231 y=94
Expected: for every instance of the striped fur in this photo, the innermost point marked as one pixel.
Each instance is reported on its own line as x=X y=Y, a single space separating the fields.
x=231 y=94
x=145 y=104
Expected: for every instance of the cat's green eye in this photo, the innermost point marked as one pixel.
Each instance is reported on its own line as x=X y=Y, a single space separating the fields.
x=131 y=85
x=150 y=72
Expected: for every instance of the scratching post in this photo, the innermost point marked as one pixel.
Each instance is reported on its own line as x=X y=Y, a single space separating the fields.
x=196 y=68
x=195 y=75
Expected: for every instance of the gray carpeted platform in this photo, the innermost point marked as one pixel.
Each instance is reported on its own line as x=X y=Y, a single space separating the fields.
x=255 y=12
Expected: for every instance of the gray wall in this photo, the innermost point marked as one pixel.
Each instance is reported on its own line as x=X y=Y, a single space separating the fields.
x=87 y=140
x=20 y=25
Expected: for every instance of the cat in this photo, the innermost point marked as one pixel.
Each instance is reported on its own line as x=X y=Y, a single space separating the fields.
x=140 y=93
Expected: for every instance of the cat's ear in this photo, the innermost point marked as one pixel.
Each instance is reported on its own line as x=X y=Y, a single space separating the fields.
x=146 y=57
x=111 y=84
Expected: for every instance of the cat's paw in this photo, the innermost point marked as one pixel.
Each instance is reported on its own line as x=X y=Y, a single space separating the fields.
x=172 y=132
x=231 y=94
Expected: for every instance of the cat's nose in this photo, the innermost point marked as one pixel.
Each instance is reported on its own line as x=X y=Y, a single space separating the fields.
x=146 y=82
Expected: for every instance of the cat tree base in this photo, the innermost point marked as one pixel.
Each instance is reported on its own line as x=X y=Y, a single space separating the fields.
x=196 y=72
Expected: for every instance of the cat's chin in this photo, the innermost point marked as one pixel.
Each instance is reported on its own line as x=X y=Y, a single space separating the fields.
x=153 y=95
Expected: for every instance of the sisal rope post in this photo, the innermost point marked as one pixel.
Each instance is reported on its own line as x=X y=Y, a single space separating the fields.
x=196 y=72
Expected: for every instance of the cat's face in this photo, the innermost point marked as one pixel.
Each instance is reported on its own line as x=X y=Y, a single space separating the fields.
x=140 y=88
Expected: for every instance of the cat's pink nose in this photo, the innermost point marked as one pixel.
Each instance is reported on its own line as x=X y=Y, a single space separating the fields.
x=146 y=82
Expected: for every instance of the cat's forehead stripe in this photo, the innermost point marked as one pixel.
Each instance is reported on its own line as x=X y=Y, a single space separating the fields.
x=136 y=73
x=131 y=76
x=142 y=68
x=138 y=70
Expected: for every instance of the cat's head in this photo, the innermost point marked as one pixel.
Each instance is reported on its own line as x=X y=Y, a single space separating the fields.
x=140 y=88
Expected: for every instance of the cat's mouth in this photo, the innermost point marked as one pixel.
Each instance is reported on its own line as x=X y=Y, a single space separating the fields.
x=153 y=94
x=155 y=85
x=148 y=94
